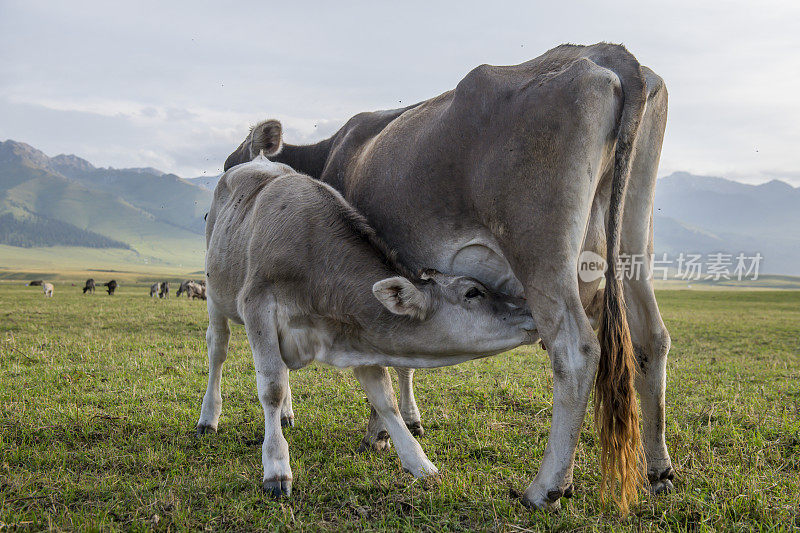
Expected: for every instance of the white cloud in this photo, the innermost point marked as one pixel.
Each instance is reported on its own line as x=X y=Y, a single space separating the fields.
x=176 y=85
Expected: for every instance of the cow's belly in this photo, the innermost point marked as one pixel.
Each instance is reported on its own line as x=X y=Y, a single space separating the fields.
x=475 y=254
x=481 y=259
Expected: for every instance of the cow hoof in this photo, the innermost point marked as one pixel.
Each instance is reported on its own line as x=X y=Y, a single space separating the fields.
x=541 y=504
x=661 y=487
x=287 y=421
x=662 y=483
x=203 y=429
x=416 y=428
x=380 y=444
x=547 y=502
x=279 y=488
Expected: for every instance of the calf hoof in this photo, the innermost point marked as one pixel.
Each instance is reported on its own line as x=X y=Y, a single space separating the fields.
x=423 y=470
x=203 y=429
x=381 y=443
x=278 y=488
x=287 y=421
x=416 y=428
x=661 y=483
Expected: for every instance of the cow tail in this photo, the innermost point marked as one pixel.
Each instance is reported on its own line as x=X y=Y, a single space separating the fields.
x=616 y=412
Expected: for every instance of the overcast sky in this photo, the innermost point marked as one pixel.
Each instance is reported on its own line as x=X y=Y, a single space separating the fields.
x=176 y=86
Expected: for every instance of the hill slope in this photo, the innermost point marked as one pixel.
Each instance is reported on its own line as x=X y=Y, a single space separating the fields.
x=151 y=217
x=707 y=214
x=158 y=218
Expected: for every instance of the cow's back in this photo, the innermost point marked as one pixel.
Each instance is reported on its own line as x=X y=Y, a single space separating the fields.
x=432 y=179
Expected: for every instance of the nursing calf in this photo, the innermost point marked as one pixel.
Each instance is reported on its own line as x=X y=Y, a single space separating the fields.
x=290 y=259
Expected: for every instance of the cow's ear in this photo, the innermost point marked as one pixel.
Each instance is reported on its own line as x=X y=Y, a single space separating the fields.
x=267 y=138
x=401 y=297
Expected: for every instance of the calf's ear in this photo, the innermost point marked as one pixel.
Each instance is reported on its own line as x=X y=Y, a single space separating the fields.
x=266 y=137
x=401 y=297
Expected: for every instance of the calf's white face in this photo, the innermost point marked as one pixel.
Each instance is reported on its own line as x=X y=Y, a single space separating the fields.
x=455 y=315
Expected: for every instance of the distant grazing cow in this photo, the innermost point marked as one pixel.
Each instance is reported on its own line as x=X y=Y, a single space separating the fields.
x=183 y=288
x=290 y=259
x=48 y=290
x=35 y=283
x=155 y=289
x=89 y=287
x=195 y=290
x=111 y=286
x=164 y=291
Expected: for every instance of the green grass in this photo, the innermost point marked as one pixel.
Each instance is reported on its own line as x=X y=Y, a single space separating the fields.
x=99 y=397
x=75 y=265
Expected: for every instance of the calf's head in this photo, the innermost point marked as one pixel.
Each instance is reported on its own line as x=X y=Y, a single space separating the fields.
x=454 y=315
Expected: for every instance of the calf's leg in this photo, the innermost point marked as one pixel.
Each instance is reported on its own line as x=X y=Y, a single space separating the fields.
x=378 y=386
x=287 y=413
x=408 y=404
x=217 y=336
x=377 y=438
x=272 y=379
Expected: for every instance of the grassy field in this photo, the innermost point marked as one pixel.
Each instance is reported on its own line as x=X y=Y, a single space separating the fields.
x=99 y=397
x=70 y=262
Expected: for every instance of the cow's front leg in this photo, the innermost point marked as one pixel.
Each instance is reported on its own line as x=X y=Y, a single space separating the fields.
x=574 y=354
x=378 y=386
x=377 y=438
x=217 y=336
x=272 y=379
x=408 y=404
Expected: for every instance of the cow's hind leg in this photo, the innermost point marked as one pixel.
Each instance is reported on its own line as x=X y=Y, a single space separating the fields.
x=378 y=386
x=651 y=343
x=272 y=379
x=217 y=336
x=650 y=338
x=574 y=354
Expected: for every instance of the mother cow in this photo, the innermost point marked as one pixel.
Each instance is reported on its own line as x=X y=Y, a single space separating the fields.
x=507 y=179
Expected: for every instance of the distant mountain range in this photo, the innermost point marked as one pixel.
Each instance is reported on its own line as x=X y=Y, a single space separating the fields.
x=156 y=218
x=206 y=182
x=707 y=215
